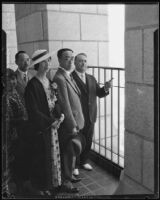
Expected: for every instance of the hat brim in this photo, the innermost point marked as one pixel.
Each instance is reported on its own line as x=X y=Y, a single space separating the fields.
x=42 y=59
x=78 y=142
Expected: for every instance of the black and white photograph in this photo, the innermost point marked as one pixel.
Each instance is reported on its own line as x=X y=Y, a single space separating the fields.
x=80 y=100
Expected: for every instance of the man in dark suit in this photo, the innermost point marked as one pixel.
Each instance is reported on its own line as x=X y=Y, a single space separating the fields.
x=90 y=90
x=69 y=101
x=23 y=75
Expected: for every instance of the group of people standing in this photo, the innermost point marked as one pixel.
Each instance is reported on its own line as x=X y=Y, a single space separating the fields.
x=50 y=122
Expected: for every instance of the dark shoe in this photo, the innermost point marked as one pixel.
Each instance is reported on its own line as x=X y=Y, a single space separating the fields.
x=68 y=187
x=70 y=190
x=75 y=179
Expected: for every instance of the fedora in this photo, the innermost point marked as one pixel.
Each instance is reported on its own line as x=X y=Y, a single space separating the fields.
x=78 y=143
x=40 y=55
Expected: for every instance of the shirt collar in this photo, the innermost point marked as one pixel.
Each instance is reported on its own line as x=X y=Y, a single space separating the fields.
x=79 y=73
x=67 y=72
x=22 y=73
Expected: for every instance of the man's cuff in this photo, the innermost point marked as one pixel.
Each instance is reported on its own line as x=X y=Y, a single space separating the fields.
x=106 y=90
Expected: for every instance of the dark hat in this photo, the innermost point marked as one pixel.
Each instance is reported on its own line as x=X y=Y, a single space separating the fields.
x=78 y=143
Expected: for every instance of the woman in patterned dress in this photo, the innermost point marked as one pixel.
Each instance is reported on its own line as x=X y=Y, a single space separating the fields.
x=43 y=114
x=16 y=117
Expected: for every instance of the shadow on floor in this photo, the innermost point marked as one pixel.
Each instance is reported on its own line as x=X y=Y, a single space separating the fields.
x=95 y=182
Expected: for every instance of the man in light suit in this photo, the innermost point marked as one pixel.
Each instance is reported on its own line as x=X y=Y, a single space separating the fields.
x=69 y=101
x=90 y=90
x=23 y=75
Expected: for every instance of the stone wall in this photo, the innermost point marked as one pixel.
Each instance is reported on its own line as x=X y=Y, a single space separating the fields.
x=82 y=28
x=141 y=22
x=9 y=26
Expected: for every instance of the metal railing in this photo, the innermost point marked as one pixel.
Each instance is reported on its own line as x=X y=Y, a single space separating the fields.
x=108 y=138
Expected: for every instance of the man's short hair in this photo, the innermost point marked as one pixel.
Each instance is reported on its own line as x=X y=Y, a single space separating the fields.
x=60 y=52
x=83 y=54
x=17 y=54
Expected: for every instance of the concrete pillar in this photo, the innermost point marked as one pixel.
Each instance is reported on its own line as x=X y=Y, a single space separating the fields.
x=82 y=28
x=138 y=177
x=9 y=26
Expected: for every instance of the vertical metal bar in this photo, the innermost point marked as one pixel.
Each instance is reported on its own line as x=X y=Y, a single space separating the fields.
x=118 y=112
x=105 y=121
x=99 y=114
x=111 y=118
x=94 y=129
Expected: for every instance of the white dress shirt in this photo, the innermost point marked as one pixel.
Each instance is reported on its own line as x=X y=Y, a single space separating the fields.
x=67 y=72
x=23 y=74
x=82 y=76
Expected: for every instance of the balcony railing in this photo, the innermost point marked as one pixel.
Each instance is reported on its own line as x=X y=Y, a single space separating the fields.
x=108 y=138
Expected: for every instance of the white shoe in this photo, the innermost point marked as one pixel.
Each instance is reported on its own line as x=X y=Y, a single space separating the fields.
x=76 y=172
x=87 y=167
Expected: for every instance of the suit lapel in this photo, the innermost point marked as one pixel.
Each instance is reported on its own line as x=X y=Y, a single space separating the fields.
x=89 y=83
x=77 y=78
x=74 y=86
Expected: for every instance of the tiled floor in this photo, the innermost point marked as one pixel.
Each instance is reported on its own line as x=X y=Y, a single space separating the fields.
x=95 y=182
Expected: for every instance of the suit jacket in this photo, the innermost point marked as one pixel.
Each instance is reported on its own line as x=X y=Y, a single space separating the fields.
x=69 y=101
x=21 y=84
x=89 y=93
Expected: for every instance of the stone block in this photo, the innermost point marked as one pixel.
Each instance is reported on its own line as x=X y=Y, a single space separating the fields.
x=149 y=55
x=11 y=39
x=139 y=111
x=11 y=56
x=22 y=10
x=130 y=187
x=52 y=6
x=38 y=7
x=63 y=26
x=8 y=21
x=133 y=158
x=30 y=28
x=81 y=8
x=45 y=24
x=148 y=165
x=41 y=45
x=54 y=46
x=90 y=48
x=103 y=9
x=133 y=56
x=141 y=15
x=33 y=27
x=94 y=27
x=7 y=7
x=21 y=33
x=103 y=54
x=28 y=47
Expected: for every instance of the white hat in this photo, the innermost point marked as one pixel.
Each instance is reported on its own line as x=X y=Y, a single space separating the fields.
x=40 y=55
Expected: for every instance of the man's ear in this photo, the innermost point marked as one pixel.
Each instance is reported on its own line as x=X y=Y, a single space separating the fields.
x=16 y=62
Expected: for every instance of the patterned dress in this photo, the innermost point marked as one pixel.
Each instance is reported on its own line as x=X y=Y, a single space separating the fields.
x=55 y=150
x=15 y=114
